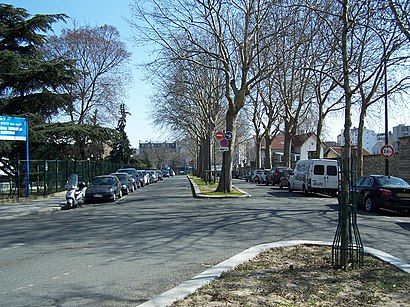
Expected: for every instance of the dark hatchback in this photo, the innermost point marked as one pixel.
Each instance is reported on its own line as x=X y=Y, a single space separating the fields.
x=106 y=187
x=378 y=191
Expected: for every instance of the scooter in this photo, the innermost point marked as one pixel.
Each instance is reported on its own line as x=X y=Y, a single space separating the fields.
x=75 y=193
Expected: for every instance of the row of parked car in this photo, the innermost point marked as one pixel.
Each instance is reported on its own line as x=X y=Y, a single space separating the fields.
x=277 y=175
x=370 y=192
x=123 y=182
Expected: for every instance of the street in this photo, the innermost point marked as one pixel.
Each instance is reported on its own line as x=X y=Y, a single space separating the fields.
x=127 y=252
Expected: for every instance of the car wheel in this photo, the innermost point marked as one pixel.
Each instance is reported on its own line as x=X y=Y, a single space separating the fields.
x=305 y=191
x=369 y=205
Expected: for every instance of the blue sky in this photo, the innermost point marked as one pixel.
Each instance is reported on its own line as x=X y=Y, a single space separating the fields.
x=110 y=12
x=139 y=126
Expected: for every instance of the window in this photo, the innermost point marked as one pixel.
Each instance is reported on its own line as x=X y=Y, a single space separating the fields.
x=319 y=170
x=331 y=170
x=368 y=181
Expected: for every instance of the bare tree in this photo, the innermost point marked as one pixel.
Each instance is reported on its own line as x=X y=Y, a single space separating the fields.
x=188 y=99
x=267 y=119
x=293 y=55
x=101 y=60
x=380 y=48
x=235 y=30
x=401 y=12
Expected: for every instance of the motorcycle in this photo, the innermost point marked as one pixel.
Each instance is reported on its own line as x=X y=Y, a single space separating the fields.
x=75 y=193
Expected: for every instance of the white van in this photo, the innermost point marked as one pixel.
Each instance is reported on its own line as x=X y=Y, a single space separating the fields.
x=315 y=175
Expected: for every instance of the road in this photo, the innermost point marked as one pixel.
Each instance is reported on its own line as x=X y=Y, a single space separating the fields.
x=152 y=240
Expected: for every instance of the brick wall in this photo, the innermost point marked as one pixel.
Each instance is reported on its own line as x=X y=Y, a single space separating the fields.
x=399 y=164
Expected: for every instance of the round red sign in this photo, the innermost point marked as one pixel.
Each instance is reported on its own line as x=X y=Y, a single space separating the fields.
x=387 y=151
x=219 y=135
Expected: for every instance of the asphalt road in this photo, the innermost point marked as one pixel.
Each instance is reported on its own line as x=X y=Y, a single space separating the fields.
x=152 y=240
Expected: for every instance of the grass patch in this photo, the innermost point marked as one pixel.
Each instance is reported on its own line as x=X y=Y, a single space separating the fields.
x=207 y=188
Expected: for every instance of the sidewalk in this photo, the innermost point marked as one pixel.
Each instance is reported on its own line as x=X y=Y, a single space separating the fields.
x=28 y=207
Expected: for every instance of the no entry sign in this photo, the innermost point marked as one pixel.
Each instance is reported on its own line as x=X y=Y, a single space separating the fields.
x=219 y=135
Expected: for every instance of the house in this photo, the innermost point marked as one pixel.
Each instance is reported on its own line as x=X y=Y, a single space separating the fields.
x=335 y=152
x=303 y=147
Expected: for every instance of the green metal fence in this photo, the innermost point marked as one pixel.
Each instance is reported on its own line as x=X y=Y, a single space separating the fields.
x=47 y=176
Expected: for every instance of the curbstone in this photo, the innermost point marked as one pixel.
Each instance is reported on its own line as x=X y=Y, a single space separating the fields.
x=190 y=286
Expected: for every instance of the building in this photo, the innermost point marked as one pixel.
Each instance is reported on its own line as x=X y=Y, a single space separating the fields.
x=369 y=138
x=151 y=145
x=303 y=147
x=398 y=132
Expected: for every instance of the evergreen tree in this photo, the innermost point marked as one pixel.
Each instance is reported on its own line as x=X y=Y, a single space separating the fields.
x=28 y=83
x=121 y=151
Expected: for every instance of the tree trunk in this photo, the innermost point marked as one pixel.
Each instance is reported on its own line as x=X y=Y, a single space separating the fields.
x=287 y=150
x=346 y=153
x=225 y=181
x=319 y=132
x=268 y=153
x=258 y=152
x=359 y=152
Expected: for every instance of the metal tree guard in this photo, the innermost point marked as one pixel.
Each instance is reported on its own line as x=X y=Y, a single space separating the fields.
x=354 y=247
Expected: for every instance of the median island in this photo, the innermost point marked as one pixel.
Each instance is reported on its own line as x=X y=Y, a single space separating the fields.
x=202 y=188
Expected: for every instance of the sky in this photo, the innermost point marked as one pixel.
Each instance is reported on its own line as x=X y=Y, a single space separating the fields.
x=109 y=12
x=139 y=126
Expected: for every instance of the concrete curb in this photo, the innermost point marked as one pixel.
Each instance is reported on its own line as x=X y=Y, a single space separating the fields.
x=197 y=192
x=30 y=211
x=190 y=286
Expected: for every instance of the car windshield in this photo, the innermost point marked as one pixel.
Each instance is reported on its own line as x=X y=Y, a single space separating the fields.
x=102 y=181
x=122 y=177
x=391 y=182
x=128 y=171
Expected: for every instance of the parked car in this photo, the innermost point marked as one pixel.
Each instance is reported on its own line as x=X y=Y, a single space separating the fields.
x=159 y=174
x=315 y=175
x=134 y=175
x=145 y=177
x=105 y=187
x=279 y=172
x=284 y=180
x=152 y=175
x=127 y=182
x=249 y=176
x=377 y=191
x=165 y=173
x=260 y=176
x=274 y=176
x=235 y=174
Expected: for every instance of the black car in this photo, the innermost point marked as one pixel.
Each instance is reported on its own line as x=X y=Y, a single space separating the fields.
x=284 y=180
x=134 y=175
x=105 y=187
x=378 y=191
x=278 y=173
x=127 y=182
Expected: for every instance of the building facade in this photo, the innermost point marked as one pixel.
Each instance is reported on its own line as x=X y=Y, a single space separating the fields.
x=369 y=138
x=398 y=132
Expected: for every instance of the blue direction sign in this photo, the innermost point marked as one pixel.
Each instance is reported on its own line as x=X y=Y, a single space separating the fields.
x=13 y=128
x=228 y=135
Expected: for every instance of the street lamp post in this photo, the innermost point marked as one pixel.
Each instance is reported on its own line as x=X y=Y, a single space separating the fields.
x=386 y=126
